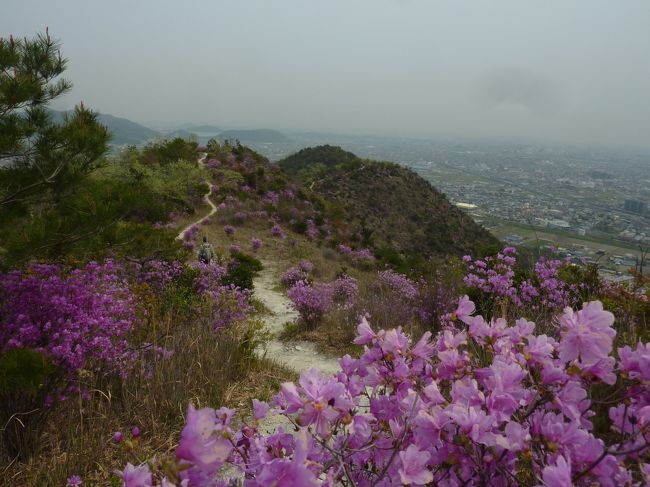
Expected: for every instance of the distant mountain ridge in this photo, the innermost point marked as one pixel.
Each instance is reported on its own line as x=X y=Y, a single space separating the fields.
x=392 y=206
x=128 y=132
x=254 y=136
x=203 y=129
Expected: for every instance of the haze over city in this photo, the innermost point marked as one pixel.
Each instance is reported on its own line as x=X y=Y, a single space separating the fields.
x=568 y=72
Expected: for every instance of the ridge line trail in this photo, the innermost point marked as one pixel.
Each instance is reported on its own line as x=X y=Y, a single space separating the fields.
x=298 y=356
x=206 y=198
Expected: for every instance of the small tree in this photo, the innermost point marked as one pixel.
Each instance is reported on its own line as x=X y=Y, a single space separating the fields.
x=37 y=155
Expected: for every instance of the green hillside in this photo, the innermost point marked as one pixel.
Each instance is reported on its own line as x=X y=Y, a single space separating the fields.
x=393 y=208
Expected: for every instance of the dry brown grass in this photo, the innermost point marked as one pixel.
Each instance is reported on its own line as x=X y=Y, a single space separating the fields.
x=206 y=369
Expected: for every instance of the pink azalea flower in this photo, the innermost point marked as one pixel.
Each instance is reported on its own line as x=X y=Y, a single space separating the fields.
x=290 y=473
x=73 y=481
x=260 y=409
x=558 y=475
x=465 y=309
x=364 y=333
x=587 y=334
x=133 y=476
x=414 y=469
x=200 y=444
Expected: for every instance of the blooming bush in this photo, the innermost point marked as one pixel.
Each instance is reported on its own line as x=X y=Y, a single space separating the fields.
x=311 y=232
x=484 y=403
x=547 y=288
x=228 y=303
x=229 y=229
x=277 y=231
x=158 y=274
x=54 y=325
x=306 y=266
x=311 y=302
x=256 y=244
x=396 y=299
x=240 y=216
x=78 y=320
x=344 y=291
x=293 y=275
x=209 y=276
x=400 y=284
x=362 y=256
x=344 y=249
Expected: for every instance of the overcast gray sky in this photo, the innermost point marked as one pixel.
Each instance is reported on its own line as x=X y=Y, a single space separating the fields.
x=566 y=70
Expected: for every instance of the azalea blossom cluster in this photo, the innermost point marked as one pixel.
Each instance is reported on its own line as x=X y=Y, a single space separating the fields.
x=399 y=283
x=256 y=244
x=79 y=319
x=344 y=291
x=228 y=303
x=482 y=403
x=356 y=257
x=313 y=300
x=312 y=232
x=293 y=274
x=546 y=289
x=277 y=231
x=158 y=274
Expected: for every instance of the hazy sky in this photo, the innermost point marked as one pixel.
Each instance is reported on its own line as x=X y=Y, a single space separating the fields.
x=566 y=70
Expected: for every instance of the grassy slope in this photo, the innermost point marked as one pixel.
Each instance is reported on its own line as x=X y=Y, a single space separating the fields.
x=391 y=205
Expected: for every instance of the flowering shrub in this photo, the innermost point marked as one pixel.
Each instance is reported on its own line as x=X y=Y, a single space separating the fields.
x=272 y=198
x=400 y=284
x=277 y=231
x=256 y=244
x=293 y=275
x=312 y=302
x=344 y=291
x=484 y=403
x=397 y=299
x=158 y=274
x=77 y=320
x=229 y=229
x=306 y=266
x=240 y=216
x=494 y=275
x=546 y=289
x=209 y=276
x=312 y=232
x=213 y=164
x=234 y=249
x=54 y=325
x=228 y=303
x=362 y=256
x=344 y=249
